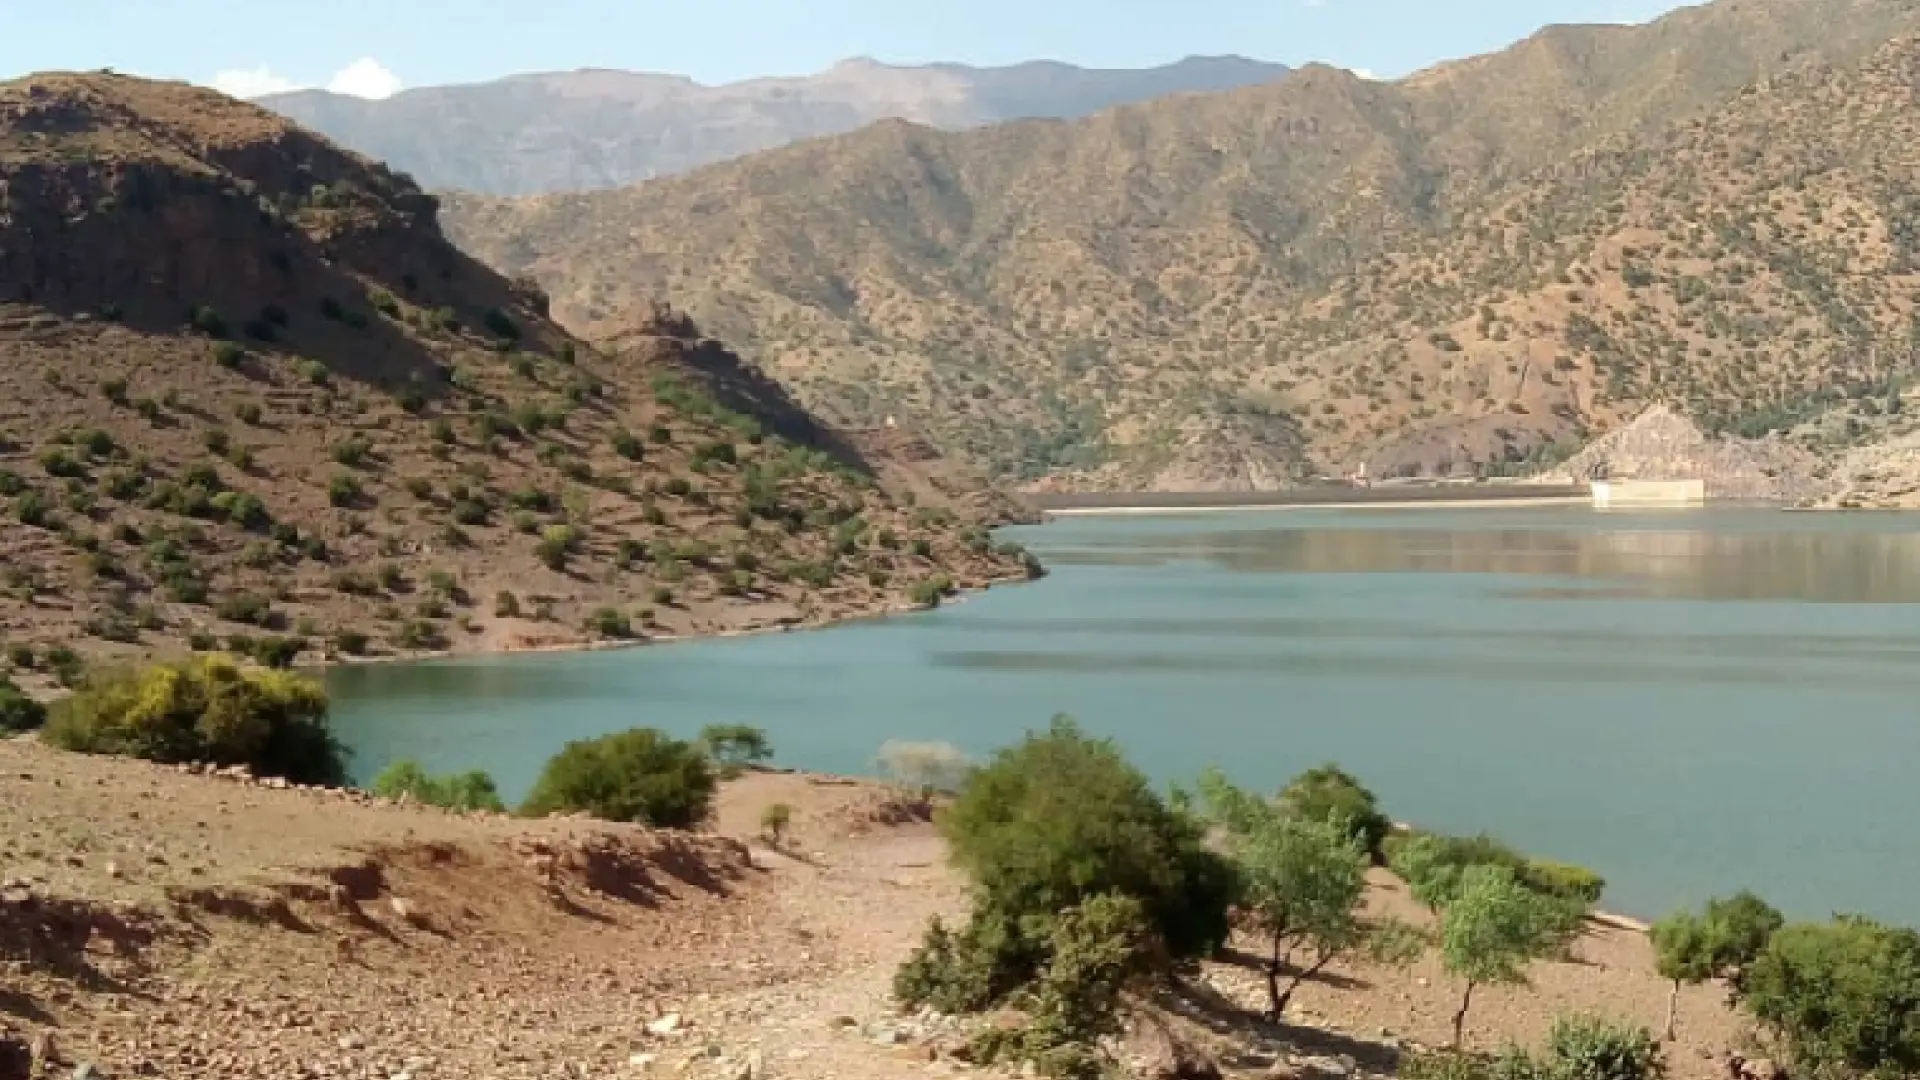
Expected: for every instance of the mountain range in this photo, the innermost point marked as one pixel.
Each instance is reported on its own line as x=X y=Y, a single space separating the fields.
x=1466 y=270
x=579 y=130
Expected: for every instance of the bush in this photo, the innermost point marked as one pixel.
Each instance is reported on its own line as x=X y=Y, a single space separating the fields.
x=1062 y=817
x=627 y=445
x=735 y=746
x=1563 y=881
x=1586 y=1047
x=18 y=712
x=610 y=623
x=558 y=542
x=1326 y=792
x=641 y=775
x=343 y=490
x=926 y=594
x=969 y=971
x=207 y=709
x=245 y=608
x=506 y=605
x=456 y=791
x=1842 y=996
x=926 y=767
x=774 y=821
x=21 y=656
x=350 y=642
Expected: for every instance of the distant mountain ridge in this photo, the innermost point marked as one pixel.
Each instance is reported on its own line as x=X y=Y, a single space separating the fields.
x=597 y=128
x=1472 y=268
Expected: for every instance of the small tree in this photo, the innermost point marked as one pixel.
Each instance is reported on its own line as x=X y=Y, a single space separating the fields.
x=1302 y=877
x=1328 y=792
x=641 y=775
x=735 y=746
x=1063 y=817
x=1490 y=929
x=1717 y=944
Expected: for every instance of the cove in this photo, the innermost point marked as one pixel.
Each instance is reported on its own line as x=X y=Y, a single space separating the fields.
x=1689 y=702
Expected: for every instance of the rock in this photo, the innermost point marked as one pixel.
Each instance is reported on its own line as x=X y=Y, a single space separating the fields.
x=665 y=1027
x=86 y=1071
x=641 y=1061
x=351 y=1042
x=1165 y=1055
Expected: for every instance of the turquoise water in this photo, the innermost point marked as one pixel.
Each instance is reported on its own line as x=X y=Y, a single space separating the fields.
x=1690 y=702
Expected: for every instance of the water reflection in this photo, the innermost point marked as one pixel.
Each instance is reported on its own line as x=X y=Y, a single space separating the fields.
x=1708 y=563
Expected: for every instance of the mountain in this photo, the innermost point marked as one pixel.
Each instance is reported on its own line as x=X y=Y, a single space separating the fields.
x=246 y=385
x=569 y=131
x=1469 y=268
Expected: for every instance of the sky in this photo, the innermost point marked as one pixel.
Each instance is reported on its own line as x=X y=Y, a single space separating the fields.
x=373 y=48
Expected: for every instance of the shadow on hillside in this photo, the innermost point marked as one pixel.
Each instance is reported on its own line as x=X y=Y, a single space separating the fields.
x=1248 y=961
x=55 y=936
x=1217 y=1013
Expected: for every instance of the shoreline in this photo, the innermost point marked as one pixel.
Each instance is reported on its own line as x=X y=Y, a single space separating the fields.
x=1523 y=502
x=889 y=612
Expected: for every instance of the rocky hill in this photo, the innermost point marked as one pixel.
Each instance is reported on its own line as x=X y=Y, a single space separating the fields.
x=248 y=391
x=567 y=131
x=1660 y=444
x=1460 y=270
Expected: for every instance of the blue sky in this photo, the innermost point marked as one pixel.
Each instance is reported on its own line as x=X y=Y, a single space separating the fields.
x=373 y=47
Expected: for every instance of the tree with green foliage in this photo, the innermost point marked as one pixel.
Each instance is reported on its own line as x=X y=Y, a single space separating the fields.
x=207 y=709
x=18 y=712
x=1718 y=943
x=1491 y=928
x=733 y=747
x=474 y=790
x=642 y=775
x=1327 y=792
x=1301 y=877
x=1062 y=817
x=1843 y=996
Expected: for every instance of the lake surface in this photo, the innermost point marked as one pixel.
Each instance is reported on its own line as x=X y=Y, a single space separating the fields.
x=1688 y=701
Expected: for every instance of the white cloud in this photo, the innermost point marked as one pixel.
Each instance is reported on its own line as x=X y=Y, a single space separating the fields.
x=364 y=78
x=258 y=82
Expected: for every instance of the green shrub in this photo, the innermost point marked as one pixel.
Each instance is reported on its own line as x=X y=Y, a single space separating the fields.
x=506 y=605
x=1842 y=996
x=969 y=971
x=1323 y=793
x=66 y=665
x=18 y=712
x=473 y=790
x=1563 y=881
x=774 y=821
x=1062 y=817
x=558 y=542
x=627 y=445
x=350 y=642
x=344 y=490
x=353 y=451
x=246 y=608
x=641 y=775
x=735 y=746
x=610 y=623
x=209 y=710
x=1584 y=1047
x=21 y=656
x=926 y=594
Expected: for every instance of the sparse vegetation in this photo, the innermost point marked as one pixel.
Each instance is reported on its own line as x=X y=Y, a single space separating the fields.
x=465 y=791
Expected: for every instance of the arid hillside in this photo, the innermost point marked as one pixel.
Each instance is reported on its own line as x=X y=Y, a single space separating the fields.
x=1443 y=274
x=250 y=396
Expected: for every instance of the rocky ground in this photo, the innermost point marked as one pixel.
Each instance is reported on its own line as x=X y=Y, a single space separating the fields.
x=154 y=922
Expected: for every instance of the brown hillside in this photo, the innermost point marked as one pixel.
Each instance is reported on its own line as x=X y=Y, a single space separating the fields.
x=1080 y=298
x=246 y=387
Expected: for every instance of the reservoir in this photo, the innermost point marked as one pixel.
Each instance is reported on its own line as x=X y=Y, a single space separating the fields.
x=1688 y=701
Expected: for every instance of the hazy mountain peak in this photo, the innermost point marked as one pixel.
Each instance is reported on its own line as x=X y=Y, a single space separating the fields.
x=598 y=128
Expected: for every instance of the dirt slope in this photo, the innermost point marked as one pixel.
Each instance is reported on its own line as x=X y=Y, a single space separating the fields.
x=246 y=387
x=154 y=922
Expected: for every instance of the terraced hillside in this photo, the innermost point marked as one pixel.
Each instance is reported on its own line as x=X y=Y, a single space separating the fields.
x=250 y=396
x=1450 y=273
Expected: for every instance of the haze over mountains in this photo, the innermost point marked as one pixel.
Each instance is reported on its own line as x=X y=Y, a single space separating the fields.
x=569 y=131
x=1459 y=269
